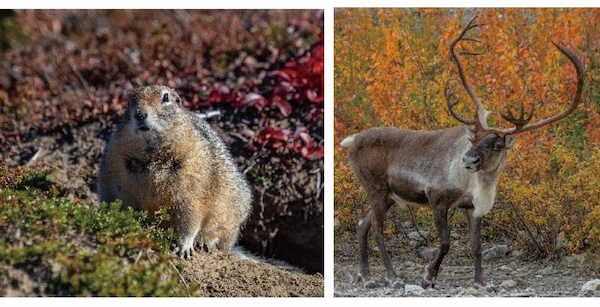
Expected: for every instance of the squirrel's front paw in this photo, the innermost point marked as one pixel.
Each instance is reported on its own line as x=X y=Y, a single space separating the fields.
x=185 y=249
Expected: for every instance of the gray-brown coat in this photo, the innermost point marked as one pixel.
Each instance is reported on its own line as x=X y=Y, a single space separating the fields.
x=452 y=168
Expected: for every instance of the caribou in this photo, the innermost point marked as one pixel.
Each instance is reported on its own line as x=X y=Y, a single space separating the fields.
x=444 y=169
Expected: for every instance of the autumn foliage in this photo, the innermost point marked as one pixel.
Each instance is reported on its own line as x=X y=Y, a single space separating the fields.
x=391 y=66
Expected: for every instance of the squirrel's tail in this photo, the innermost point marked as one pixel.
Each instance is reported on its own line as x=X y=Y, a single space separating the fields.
x=247 y=255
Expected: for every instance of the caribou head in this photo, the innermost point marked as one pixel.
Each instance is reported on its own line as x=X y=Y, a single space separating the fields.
x=490 y=145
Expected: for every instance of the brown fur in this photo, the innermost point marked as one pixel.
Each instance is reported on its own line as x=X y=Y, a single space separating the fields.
x=163 y=156
x=441 y=169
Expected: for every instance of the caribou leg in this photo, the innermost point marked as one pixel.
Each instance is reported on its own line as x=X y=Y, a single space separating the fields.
x=378 y=223
x=440 y=216
x=379 y=205
x=362 y=229
x=475 y=236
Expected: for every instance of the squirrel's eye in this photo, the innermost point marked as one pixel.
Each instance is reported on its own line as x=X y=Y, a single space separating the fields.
x=165 y=97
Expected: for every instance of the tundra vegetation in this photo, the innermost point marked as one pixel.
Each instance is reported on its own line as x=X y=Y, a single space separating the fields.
x=64 y=76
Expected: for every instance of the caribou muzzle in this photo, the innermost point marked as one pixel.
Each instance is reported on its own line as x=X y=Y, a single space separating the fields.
x=472 y=163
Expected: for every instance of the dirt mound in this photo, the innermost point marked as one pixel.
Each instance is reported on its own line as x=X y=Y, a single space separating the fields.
x=219 y=274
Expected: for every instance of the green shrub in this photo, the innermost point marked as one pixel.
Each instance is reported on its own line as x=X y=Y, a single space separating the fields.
x=82 y=251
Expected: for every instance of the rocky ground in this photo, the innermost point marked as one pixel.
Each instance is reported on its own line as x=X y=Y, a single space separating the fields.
x=506 y=272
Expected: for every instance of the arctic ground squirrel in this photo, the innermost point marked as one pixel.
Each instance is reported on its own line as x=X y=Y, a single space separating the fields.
x=162 y=156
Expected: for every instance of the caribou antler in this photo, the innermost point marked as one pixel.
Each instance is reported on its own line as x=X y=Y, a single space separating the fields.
x=481 y=113
x=522 y=121
x=452 y=100
x=580 y=69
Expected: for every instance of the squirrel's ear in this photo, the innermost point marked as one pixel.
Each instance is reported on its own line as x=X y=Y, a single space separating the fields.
x=132 y=96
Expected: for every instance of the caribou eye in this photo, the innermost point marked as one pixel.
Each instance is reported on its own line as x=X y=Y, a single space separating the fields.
x=497 y=146
x=165 y=97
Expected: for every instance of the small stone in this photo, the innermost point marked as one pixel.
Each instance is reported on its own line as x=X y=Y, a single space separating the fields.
x=413 y=290
x=454 y=235
x=508 y=284
x=390 y=291
x=495 y=252
x=370 y=284
x=503 y=249
x=416 y=236
x=545 y=271
x=577 y=259
x=505 y=268
x=452 y=291
x=517 y=253
x=490 y=288
x=591 y=286
x=428 y=253
x=470 y=291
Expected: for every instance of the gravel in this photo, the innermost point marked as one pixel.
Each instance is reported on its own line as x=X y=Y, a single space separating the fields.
x=505 y=275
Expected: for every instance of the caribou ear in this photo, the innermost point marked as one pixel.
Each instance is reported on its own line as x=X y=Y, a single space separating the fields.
x=509 y=141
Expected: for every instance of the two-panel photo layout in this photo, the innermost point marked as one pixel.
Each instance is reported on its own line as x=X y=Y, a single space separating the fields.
x=328 y=153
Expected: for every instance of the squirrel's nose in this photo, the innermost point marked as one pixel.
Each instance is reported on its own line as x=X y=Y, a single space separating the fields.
x=140 y=115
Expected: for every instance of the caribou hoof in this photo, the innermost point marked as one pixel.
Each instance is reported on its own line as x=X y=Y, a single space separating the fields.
x=368 y=284
x=426 y=283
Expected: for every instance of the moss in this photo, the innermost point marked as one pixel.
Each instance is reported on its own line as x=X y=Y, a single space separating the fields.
x=84 y=251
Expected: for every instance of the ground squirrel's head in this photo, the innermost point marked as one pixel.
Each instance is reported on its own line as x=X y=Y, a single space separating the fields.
x=153 y=109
